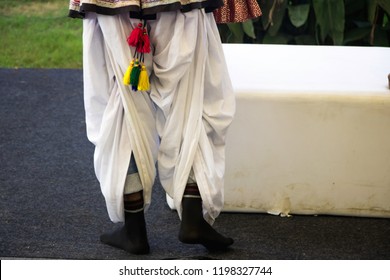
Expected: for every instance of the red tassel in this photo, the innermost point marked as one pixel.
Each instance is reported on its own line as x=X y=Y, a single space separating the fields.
x=145 y=42
x=135 y=36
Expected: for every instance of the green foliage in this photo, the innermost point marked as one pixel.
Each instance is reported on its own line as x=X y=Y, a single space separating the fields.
x=315 y=22
x=330 y=17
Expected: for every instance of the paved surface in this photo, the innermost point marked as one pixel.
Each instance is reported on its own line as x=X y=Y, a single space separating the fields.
x=51 y=205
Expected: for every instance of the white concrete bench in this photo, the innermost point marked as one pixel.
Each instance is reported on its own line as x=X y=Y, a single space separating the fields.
x=312 y=130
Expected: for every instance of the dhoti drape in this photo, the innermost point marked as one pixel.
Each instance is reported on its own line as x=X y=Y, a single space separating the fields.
x=189 y=107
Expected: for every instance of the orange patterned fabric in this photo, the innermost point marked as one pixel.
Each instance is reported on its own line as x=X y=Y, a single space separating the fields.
x=237 y=11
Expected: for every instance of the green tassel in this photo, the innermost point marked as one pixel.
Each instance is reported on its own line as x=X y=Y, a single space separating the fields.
x=134 y=75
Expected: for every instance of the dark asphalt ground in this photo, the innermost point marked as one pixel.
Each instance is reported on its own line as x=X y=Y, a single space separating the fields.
x=51 y=205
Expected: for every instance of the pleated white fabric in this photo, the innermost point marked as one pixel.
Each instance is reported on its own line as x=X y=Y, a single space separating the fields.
x=119 y=122
x=190 y=106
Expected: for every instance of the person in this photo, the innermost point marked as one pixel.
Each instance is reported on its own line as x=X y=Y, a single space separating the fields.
x=173 y=110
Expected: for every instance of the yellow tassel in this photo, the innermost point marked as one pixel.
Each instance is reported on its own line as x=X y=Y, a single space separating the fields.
x=143 y=83
x=126 y=77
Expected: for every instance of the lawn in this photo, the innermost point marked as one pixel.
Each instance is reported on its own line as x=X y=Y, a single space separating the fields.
x=38 y=34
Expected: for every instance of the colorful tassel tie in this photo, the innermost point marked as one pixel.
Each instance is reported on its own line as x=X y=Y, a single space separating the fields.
x=126 y=77
x=144 y=45
x=143 y=83
x=135 y=35
x=136 y=75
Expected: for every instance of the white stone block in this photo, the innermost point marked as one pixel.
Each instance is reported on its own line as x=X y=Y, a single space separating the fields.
x=312 y=130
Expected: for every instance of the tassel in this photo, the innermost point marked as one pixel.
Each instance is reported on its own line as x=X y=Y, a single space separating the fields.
x=134 y=75
x=143 y=83
x=135 y=36
x=145 y=41
x=126 y=77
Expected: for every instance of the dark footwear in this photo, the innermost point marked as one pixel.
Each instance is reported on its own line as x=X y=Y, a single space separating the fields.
x=132 y=237
x=195 y=230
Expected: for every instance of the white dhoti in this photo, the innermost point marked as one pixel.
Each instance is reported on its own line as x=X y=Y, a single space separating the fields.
x=189 y=107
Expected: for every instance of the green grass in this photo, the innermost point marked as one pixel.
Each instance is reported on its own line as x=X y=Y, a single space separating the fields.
x=38 y=34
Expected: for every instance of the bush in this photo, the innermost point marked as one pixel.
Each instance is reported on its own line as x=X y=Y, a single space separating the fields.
x=315 y=22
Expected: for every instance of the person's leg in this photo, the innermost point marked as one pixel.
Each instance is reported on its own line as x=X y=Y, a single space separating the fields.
x=132 y=237
x=195 y=101
x=121 y=124
x=193 y=228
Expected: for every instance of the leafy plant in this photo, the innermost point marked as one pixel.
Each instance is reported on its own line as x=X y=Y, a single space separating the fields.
x=315 y=22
